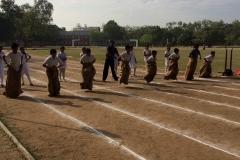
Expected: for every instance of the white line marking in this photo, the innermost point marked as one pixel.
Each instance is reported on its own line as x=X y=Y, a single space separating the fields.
x=16 y=142
x=196 y=90
x=80 y=123
x=165 y=104
x=151 y=122
x=209 y=85
x=189 y=97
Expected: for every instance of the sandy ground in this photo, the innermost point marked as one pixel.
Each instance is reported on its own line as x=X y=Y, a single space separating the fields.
x=8 y=150
x=164 y=120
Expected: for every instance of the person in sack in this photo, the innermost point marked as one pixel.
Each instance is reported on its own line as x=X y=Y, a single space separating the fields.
x=151 y=67
x=206 y=68
x=125 y=58
x=13 y=82
x=173 y=65
x=88 y=70
x=192 y=63
x=52 y=63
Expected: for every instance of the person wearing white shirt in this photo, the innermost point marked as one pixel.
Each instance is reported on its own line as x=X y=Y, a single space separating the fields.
x=25 y=58
x=125 y=58
x=206 y=68
x=151 y=67
x=1 y=67
x=52 y=63
x=173 y=65
x=167 y=54
x=133 y=62
x=88 y=70
x=63 y=56
x=146 y=54
x=13 y=82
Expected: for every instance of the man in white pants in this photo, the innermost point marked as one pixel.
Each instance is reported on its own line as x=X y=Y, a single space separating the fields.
x=63 y=56
x=146 y=53
x=1 y=67
x=167 y=54
x=25 y=58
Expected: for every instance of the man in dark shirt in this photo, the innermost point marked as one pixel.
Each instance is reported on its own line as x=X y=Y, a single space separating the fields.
x=111 y=51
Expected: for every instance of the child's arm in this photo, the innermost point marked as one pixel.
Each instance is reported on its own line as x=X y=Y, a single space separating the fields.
x=29 y=57
x=4 y=59
x=200 y=55
x=45 y=66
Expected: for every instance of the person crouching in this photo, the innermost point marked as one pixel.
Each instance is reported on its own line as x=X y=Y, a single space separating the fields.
x=206 y=68
x=88 y=70
x=52 y=63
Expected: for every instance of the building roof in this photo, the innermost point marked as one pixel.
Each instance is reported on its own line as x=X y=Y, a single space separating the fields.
x=73 y=33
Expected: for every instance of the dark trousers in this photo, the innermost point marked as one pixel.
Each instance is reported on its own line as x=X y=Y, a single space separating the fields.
x=109 y=62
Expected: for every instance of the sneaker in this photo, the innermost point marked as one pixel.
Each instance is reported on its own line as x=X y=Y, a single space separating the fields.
x=31 y=84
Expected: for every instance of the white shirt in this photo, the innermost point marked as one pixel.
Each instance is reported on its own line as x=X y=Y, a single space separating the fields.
x=174 y=56
x=62 y=55
x=151 y=59
x=82 y=54
x=167 y=53
x=209 y=58
x=126 y=56
x=147 y=52
x=1 y=58
x=15 y=59
x=50 y=62
x=87 y=59
x=24 y=59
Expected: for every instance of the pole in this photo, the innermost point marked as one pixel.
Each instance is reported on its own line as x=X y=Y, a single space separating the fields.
x=231 y=59
x=226 y=58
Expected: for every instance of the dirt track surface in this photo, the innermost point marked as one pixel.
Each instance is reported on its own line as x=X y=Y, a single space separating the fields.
x=8 y=150
x=165 y=120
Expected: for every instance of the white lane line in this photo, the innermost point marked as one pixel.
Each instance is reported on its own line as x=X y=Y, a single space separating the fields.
x=209 y=85
x=91 y=129
x=172 y=106
x=162 y=103
x=189 y=97
x=16 y=142
x=144 y=119
x=195 y=90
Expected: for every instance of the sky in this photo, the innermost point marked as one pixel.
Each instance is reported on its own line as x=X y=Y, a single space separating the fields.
x=67 y=13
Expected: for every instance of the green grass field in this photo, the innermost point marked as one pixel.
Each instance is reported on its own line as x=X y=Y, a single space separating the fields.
x=99 y=53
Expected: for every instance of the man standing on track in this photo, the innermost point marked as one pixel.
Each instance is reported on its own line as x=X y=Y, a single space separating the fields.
x=111 y=51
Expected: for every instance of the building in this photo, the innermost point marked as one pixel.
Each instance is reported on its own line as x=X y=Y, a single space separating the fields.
x=74 y=38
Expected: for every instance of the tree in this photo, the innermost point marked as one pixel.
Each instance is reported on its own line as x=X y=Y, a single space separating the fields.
x=113 y=31
x=146 y=39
